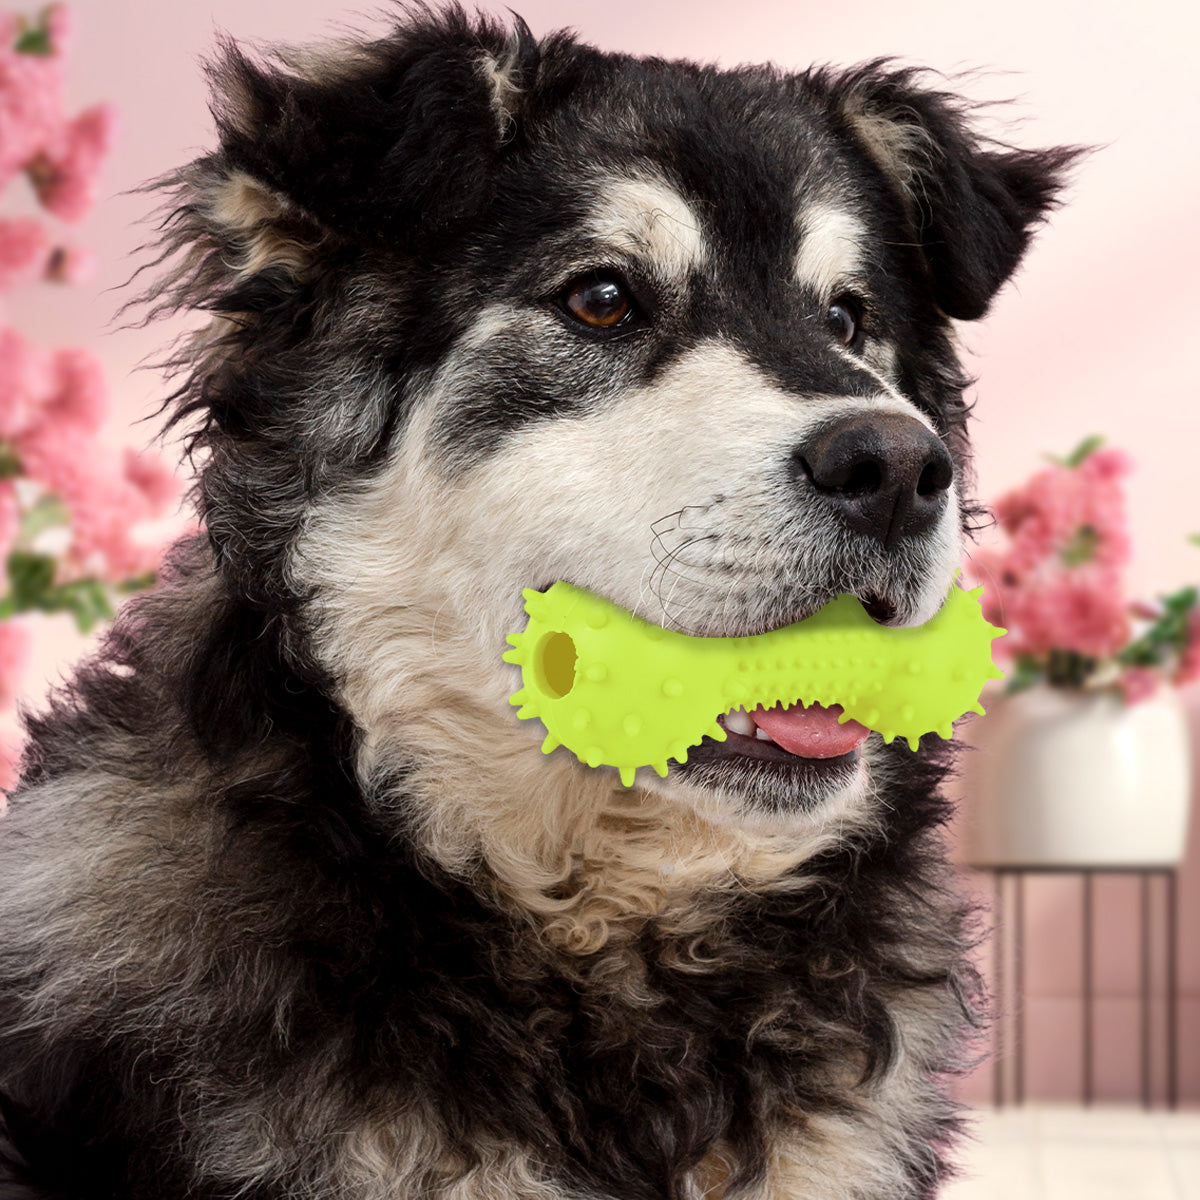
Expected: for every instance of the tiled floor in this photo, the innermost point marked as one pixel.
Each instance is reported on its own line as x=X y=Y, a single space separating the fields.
x=1044 y=1152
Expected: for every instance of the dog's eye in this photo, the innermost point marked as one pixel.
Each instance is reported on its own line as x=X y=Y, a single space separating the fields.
x=844 y=319
x=600 y=300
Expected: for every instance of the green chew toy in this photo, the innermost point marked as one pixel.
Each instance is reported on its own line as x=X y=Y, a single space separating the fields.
x=618 y=691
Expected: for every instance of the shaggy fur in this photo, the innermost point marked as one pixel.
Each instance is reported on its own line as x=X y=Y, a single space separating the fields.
x=291 y=905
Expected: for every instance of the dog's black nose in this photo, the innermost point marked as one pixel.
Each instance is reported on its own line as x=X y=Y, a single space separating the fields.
x=886 y=474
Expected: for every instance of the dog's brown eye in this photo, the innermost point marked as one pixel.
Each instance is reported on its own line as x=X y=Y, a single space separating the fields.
x=599 y=300
x=844 y=318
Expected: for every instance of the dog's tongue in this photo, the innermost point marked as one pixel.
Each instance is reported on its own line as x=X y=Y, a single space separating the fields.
x=810 y=731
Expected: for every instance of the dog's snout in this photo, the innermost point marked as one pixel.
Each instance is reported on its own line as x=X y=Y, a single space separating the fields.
x=885 y=474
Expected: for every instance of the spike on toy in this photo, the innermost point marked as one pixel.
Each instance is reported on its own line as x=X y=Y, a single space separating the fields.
x=650 y=694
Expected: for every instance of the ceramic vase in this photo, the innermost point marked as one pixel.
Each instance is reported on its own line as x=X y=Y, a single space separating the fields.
x=1064 y=778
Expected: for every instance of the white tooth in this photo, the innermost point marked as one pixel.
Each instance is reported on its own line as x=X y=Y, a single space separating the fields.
x=738 y=721
x=761 y=736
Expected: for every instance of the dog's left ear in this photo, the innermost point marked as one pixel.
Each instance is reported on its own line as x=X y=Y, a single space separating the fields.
x=390 y=141
x=973 y=204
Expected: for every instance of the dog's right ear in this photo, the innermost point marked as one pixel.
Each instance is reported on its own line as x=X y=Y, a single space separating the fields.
x=972 y=204
x=380 y=143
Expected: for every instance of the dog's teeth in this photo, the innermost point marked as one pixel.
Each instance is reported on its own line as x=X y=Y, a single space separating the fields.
x=761 y=736
x=738 y=721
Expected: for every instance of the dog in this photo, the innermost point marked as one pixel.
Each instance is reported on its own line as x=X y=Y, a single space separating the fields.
x=292 y=903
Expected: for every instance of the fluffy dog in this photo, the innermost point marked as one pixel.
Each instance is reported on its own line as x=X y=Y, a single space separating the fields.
x=293 y=906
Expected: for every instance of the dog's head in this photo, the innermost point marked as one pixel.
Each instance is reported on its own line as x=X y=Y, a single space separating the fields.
x=496 y=312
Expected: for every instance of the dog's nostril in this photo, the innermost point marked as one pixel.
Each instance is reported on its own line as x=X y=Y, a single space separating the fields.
x=936 y=476
x=862 y=478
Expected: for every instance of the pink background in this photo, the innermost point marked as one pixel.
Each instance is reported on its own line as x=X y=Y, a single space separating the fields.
x=1096 y=335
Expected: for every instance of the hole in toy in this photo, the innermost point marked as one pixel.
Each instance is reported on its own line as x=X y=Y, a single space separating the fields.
x=554 y=664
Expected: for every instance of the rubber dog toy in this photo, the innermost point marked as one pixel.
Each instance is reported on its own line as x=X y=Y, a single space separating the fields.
x=618 y=691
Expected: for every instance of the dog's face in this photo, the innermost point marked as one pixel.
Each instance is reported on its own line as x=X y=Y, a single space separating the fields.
x=677 y=336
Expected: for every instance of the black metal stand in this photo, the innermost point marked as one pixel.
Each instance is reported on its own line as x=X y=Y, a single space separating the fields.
x=1008 y=1083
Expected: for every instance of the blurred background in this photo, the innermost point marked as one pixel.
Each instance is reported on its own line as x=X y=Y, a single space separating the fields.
x=1094 y=337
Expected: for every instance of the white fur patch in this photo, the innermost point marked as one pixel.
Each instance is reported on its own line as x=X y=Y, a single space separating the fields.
x=831 y=249
x=647 y=218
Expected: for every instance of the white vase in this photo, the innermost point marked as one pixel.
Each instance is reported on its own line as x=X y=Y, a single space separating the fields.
x=1078 y=779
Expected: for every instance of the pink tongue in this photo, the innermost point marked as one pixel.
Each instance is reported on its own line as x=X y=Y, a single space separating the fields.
x=810 y=731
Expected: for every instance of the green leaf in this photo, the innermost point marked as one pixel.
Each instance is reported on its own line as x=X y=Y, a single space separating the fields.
x=1026 y=672
x=1086 y=447
x=49 y=511
x=1194 y=538
x=1081 y=548
x=1089 y=444
x=10 y=461
x=30 y=577
x=34 y=39
x=137 y=583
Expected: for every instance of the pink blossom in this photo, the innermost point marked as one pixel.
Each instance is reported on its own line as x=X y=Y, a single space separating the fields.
x=104 y=503
x=14 y=654
x=31 y=87
x=60 y=20
x=70 y=264
x=1067 y=510
x=24 y=250
x=80 y=395
x=153 y=478
x=1188 y=670
x=66 y=173
x=1081 y=611
x=1108 y=463
x=26 y=382
x=62 y=157
x=1138 y=684
x=10 y=761
x=10 y=517
x=60 y=458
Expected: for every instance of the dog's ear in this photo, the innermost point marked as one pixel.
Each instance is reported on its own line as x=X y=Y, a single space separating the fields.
x=973 y=204
x=386 y=142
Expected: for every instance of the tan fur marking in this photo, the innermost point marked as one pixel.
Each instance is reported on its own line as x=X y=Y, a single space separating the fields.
x=498 y=73
x=262 y=222
x=899 y=146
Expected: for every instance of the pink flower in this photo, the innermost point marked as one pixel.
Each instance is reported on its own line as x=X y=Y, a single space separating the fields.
x=80 y=395
x=1138 y=684
x=31 y=87
x=10 y=763
x=153 y=478
x=1081 y=611
x=70 y=264
x=66 y=174
x=62 y=157
x=10 y=518
x=104 y=503
x=26 y=382
x=1108 y=463
x=24 y=249
x=14 y=654
x=1188 y=670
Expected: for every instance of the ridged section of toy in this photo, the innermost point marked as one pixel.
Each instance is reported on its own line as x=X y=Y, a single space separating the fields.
x=618 y=691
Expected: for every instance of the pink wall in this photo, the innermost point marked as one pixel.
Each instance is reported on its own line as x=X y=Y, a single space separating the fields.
x=1096 y=335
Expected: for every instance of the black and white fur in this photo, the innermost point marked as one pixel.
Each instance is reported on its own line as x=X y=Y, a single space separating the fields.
x=291 y=905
